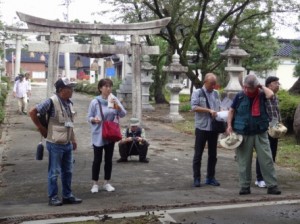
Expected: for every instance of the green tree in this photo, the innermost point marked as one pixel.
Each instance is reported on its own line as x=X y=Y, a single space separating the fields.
x=197 y=25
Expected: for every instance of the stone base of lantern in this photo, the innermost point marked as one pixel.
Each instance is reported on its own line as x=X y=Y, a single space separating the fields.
x=173 y=118
x=147 y=107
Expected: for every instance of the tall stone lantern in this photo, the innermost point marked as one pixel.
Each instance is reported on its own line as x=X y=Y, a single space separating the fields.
x=146 y=69
x=234 y=56
x=176 y=73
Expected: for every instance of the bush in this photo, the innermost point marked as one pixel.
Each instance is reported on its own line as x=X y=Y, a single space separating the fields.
x=288 y=104
x=92 y=89
x=6 y=80
x=185 y=107
x=2 y=114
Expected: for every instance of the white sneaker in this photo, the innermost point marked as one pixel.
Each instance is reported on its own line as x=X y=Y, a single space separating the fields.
x=261 y=184
x=95 y=188
x=108 y=187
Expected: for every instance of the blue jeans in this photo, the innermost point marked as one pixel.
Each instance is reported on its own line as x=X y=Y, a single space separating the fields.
x=60 y=163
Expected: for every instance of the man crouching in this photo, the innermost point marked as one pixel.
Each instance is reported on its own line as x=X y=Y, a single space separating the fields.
x=133 y=142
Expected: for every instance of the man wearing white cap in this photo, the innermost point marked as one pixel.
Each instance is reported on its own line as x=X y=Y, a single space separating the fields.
x=133 y=142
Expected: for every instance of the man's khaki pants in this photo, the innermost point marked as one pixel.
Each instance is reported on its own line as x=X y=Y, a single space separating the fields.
x=23 y=104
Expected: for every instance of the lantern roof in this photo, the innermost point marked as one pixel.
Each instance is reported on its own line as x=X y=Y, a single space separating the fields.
x=234 y=50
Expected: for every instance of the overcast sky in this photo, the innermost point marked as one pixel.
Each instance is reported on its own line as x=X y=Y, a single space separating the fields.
x=52 y=9
x=82 y=10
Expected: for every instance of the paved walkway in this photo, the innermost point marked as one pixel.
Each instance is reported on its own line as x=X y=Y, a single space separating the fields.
x=164 y=183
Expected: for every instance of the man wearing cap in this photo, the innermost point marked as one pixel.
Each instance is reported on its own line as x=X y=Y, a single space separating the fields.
x=133 y=142
x=21 y=91
x=272 y=82
x=248 y=117
x=60 y=140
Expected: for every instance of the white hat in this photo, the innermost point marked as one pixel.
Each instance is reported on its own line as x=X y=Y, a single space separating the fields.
x=232 y=141
x=277 y=131
x=64 y=82
x=134 y=122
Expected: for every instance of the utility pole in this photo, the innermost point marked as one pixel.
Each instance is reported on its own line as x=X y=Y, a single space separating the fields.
x=67 y=38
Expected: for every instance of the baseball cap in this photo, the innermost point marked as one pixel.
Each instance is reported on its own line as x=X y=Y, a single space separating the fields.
x=64 y=82
x=271 y=79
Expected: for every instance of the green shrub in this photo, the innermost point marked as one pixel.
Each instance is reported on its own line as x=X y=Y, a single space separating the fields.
x=2 y=114
x=288 y=104
x=2 y=101
x=184 y=98
x=185 y=107
x=92 y=89
x=7 y=80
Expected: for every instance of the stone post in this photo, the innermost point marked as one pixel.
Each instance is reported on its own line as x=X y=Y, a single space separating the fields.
x=124 y=93
x=176 y=72
x=147 y=69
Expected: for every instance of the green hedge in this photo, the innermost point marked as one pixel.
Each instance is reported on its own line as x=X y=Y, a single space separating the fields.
x=288 y=104
x=4 y=92
x=92 y=89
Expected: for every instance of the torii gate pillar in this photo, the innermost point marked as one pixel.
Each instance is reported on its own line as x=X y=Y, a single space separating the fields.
x=53 y=61
x=136 y=77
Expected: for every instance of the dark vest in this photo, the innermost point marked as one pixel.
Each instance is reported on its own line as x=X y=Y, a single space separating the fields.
x=137 y=133
x=244 y=123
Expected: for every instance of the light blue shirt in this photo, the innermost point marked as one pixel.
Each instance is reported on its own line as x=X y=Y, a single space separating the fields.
x=109 y=114
x=203 y=119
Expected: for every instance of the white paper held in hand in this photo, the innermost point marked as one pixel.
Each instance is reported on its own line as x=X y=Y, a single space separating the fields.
x=222 y=115
x=109 y=99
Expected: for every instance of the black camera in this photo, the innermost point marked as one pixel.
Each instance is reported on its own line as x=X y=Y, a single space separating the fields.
x=134 y=139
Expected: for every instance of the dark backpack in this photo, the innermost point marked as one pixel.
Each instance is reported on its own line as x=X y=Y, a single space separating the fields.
x=44 y=119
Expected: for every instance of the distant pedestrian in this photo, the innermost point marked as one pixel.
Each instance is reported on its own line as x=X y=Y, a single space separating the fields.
x=111 y=108
x=248 y=117
x=21 y=91
x=201 y=98
x=272 y=104
x=60 y=140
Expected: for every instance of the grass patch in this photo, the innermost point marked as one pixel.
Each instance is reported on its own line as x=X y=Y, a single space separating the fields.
x=188 y=124
x=288 y=153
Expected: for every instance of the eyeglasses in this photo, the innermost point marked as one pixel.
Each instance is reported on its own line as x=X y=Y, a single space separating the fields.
x=276 y=83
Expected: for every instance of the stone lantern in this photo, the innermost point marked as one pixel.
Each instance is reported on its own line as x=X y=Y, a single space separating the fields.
x=146 y=69
x=234 y=56
x=94 y=68
x=176 y=73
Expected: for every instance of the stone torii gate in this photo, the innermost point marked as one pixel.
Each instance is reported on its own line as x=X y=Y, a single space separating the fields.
x=135 y=30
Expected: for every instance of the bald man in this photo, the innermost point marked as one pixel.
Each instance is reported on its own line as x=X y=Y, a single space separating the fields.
x=205 y=103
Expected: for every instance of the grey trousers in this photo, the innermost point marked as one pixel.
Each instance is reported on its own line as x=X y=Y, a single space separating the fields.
x=260 y=143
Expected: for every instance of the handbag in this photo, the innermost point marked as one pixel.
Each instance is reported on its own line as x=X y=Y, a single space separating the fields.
x=110 y=129
x=216 y=126
x=277 y=131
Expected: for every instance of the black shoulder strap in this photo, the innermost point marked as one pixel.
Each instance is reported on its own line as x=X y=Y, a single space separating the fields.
x=49 y=111
x=207 y=104
x=102 y=116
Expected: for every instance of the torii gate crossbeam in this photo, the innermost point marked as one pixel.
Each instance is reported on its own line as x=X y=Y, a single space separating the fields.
x=136 y=30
